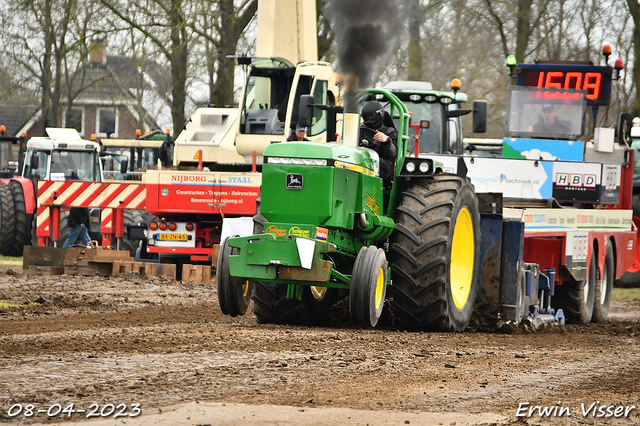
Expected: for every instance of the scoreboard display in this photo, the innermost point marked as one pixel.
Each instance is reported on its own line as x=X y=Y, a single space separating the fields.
x=596 y=80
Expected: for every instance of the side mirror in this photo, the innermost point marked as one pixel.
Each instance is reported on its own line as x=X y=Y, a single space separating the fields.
x=124 y=165
x=34 y=162
x=305 y=111
x=480 y=116
x=425 y=124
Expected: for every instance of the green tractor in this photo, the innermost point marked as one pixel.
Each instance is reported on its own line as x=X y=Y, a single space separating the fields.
x=327 y=227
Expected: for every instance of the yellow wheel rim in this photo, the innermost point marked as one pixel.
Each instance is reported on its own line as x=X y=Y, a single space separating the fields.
x=379 y=288
x=318 y=292
x=462 y=252
x=245 y=288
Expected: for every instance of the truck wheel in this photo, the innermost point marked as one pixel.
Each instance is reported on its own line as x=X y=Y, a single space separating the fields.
x=234 y=294
x=577 y=299
x=602 y=298
x=7 y=221
x=22 y=220
x=435 y=254
x=368 y=286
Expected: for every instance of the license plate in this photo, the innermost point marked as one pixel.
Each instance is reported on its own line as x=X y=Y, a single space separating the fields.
x=172 y=237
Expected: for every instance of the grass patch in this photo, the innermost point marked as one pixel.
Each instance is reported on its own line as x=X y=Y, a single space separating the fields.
x=4 y=304
x=12 y=258
x=625 y=294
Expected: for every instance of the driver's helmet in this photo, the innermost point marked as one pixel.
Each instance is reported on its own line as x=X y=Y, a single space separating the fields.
x=372 y=114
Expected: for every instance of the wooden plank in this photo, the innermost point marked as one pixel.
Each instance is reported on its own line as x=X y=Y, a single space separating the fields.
x=161 y=269
x=196 y=273
x=43 y=256
x=88 y=268
x=45 y=270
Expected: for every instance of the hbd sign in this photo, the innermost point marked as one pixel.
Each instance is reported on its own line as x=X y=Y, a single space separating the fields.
x=576 y=180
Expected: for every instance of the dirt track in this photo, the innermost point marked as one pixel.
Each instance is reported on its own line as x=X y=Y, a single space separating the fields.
x=159 y=343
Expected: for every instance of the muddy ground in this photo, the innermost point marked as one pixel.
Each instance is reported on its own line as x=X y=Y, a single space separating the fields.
x=159 y=343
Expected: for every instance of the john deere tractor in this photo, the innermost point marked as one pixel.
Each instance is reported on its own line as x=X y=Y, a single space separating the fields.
x=327 y=227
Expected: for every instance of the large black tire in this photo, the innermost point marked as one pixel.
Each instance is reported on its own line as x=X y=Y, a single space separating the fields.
x=7 y=221
x=368 y=286
x=64 y=229
x=22 y=219
x=133 y=217
x=270 y=303
x=234 y=294
x=576 y=299
x=604 y=286
x=435 y=254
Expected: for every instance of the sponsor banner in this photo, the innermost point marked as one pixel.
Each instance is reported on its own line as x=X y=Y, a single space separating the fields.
x=193 y=198
x=281 y=230
x=549 y=220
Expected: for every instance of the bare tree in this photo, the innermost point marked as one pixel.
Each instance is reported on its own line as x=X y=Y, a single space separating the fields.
x=42 y=39
x=634 y=9
x=221 y=24
x=163 y=23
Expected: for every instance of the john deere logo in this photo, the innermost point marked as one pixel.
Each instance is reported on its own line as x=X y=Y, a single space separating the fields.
x=295 y=181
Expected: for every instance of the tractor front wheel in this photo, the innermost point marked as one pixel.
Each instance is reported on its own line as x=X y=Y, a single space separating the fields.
x=435 y=254
x=234 y=294
x=368 y=286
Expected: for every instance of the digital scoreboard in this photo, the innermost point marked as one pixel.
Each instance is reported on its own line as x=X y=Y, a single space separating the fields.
x=596 y=80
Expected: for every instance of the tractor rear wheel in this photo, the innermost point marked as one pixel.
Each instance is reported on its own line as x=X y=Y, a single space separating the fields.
x=368 y=286
x=22 y=219
x=577 y=299
x=7 y=221
x=234 y=294
x=435 y=254
x=602 y=297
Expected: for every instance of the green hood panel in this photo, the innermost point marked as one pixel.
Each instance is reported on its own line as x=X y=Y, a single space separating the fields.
x=324 y=151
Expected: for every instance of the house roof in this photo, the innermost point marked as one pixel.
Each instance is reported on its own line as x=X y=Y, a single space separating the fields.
x=16 y=117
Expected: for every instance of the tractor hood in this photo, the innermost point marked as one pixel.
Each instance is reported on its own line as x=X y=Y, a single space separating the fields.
x=334 y=154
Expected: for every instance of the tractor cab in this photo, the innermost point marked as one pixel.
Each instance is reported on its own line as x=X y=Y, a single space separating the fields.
x=63 y=155
x=436 y=116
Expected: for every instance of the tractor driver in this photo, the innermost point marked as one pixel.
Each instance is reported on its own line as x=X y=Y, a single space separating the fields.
x=550 y=123
x=382 y=139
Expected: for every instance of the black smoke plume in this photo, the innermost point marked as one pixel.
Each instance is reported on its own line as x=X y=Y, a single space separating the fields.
x=367 y=32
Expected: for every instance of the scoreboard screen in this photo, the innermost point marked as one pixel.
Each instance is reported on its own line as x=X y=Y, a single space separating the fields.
x=596 y=80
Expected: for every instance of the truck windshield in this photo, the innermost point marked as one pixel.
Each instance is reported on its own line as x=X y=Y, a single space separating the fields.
x=264 y=106
x=74 y=165
x=549 y=114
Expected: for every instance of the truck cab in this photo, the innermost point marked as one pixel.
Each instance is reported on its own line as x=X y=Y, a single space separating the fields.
x=63 y=155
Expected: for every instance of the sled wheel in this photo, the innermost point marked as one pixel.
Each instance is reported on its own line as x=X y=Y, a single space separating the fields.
x=234 y=294
x=602 y=298
x=577 y=299
x=435 y=254
x=368 y=286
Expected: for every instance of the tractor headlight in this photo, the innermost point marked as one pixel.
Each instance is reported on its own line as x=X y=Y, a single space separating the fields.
x=410 y=166
x=424 y=167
